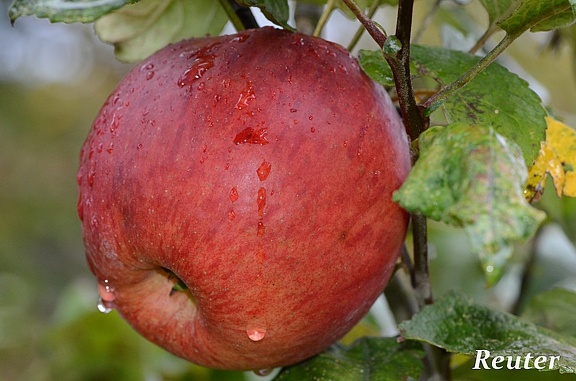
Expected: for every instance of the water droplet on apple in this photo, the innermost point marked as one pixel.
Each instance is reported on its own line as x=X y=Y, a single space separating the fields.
x=256 y=334
x=239 y=38
x=233 y=194
x=263 y=372
x=264 y=170
x=91 y=175
x=261 y=201
x=106 y=291
x=246 y=96
x=261 y=229
x=312 y=130
x=203 y=61
x=250 y=135
x=231 y=215
x=103 y=306
x=150 y=75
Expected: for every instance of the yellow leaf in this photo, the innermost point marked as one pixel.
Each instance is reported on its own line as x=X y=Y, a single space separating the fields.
x=557 y=158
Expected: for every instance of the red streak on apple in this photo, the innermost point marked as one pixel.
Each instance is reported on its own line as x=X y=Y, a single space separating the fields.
x=258 y=168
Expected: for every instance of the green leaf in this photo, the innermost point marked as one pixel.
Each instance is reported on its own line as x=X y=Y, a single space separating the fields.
x=496 y=97
x=497 y=9
x=538 y=15
x=554 y=309
x=374 y=359
x=458 y=325
x=374 y=64
x=472 y=177
x=67 y=11
x=276 y=11
x=139 y=30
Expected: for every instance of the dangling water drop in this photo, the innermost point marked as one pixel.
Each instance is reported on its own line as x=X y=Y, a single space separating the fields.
x=102 y=307
x=263 y=372
x=256 y=334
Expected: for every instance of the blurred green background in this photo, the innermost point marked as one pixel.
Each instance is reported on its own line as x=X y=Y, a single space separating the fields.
x=53 y=79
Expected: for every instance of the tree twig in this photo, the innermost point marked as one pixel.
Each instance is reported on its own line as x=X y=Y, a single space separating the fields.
x=328 y=9
x=527 y=274
x=371 y=12
x=421 y=277
x=412 y=115
x=375 y=32
x=240 y=16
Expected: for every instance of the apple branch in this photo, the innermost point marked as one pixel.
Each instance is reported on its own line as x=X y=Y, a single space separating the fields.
x=241 y=17
x=399 y=60
x=328 y=9
x=375 y=32
x=421 y=275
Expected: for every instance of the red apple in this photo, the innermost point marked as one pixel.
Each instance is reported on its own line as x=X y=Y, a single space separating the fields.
x=257 y=169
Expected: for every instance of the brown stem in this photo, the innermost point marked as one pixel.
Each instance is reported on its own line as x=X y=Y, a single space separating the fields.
x=527 y=274
x=375 y=32
x=241 y=16
x=421 y=277
x=412 y=115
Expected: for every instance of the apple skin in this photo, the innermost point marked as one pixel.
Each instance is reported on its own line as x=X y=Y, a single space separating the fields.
x=259 y=168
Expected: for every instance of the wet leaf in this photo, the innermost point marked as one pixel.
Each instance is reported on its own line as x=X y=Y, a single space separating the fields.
x=276 y=11
x=538 y=15
x=472 y=177
x=557 y=158
x=496 y=97
x=458 y=325
x=555 y=310
x=373 y=359
x=67 y=11
x=139 y=30
x=497 y=9
x=374 y=64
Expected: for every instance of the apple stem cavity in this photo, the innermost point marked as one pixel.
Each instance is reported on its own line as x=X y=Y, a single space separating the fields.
x=179 y=284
